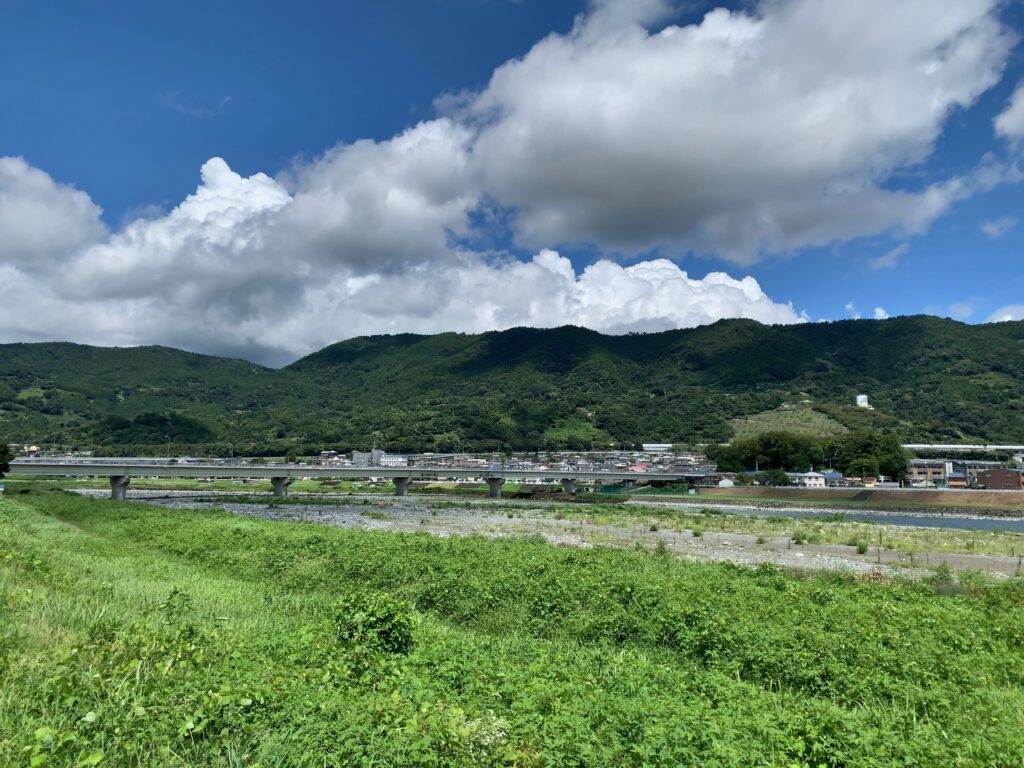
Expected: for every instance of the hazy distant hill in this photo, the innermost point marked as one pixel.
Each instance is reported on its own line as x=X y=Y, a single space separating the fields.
x=927 y=377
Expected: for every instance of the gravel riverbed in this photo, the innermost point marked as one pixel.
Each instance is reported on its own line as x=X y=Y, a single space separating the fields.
x=504 y=519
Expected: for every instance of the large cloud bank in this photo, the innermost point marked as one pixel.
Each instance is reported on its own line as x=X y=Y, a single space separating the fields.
x=745 y=135
x=244 y=267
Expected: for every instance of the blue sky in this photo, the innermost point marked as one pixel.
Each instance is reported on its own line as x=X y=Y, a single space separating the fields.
x=126 y=100
x=614 y=137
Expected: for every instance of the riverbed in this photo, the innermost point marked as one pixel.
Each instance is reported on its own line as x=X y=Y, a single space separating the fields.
x=491 y=518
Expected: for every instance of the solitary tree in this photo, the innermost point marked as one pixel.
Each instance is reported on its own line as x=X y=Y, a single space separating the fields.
x=772 y=477
x=863 y=466
x=5 y=459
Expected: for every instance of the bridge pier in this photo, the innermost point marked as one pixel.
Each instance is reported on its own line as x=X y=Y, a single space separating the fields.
x=119 y=487
x=494 y=486
x=402 y=485
x=280 y=485
x=568 y=485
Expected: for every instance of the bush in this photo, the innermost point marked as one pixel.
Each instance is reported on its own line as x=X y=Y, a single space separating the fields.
x=373 y=621
x=862 y=547
x=772 y=477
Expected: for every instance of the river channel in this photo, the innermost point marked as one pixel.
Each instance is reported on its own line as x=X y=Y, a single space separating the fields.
x=917 y=519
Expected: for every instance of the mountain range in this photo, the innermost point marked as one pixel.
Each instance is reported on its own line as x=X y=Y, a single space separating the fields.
x=928 y=379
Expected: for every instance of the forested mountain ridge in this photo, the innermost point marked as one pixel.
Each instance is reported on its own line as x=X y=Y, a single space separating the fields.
x=930 y=379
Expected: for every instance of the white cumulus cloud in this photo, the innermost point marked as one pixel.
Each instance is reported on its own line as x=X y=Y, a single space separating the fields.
x=755 y=131
x=231 y=271
x=392 y=203
x=890 y=258
x=40 y=219
x=960 y=310
x=996 y=228
x=1010 y=122
x=1007 y=313
x=212 y=248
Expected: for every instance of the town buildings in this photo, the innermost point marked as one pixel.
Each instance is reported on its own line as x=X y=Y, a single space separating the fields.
x=807 y=479
x=1000 y=479
x=929 y=472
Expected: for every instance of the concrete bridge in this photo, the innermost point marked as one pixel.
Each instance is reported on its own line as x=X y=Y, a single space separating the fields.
x=962 y=447
x=281 y=477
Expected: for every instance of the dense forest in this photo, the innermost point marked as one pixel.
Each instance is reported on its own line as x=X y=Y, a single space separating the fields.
x=929 y=379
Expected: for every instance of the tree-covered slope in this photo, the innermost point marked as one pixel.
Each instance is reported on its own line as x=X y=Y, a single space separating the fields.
x=71 y=394
x=928 y=378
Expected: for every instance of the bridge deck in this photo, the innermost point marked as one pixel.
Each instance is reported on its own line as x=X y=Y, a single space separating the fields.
x=105 y=469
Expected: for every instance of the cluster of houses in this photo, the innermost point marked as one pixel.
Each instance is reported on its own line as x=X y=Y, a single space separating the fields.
x=659 y=457
x=656 y=457
x=827 y=479
x=921 y=473
x=965 y=473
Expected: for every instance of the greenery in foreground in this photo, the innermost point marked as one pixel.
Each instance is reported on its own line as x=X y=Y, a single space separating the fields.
x=136 y=637
x=931 y=380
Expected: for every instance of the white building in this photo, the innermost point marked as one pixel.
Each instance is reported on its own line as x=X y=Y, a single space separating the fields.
x=862 y=402
x=388 y=460
x=806 y=479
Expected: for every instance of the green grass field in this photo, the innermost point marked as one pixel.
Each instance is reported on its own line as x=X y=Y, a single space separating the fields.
x=131 y=636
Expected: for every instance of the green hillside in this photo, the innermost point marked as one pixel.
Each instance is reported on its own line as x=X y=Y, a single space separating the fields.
x=928 y=378
x=800 y=419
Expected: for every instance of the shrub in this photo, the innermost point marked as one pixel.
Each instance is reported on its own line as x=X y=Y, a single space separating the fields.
x=373 y=621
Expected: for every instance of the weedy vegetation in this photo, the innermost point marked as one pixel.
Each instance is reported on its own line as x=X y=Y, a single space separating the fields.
x=131 y=636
